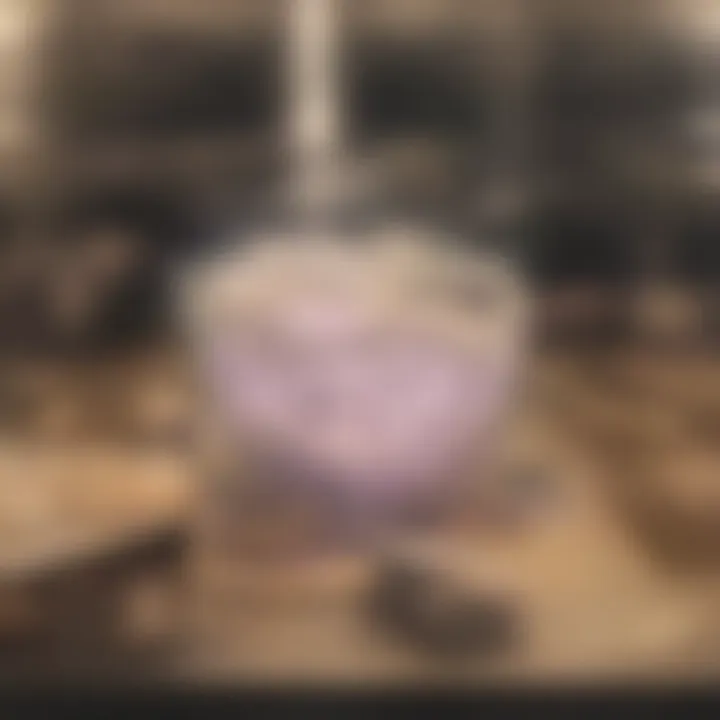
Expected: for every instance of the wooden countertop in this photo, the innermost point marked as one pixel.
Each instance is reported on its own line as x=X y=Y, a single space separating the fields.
x=595 y=601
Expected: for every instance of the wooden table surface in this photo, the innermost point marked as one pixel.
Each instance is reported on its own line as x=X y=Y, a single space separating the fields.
x=594 y=601
x=593 y=604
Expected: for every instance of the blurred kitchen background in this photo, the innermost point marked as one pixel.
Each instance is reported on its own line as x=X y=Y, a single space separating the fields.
x=581 y=138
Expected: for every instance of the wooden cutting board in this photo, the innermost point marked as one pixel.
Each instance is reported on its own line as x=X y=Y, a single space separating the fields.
x=60 y=503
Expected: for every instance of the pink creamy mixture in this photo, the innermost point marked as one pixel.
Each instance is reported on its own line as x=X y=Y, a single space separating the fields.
x=343 y=403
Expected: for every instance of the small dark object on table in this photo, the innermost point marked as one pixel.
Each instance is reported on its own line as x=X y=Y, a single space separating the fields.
x=436 y=613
